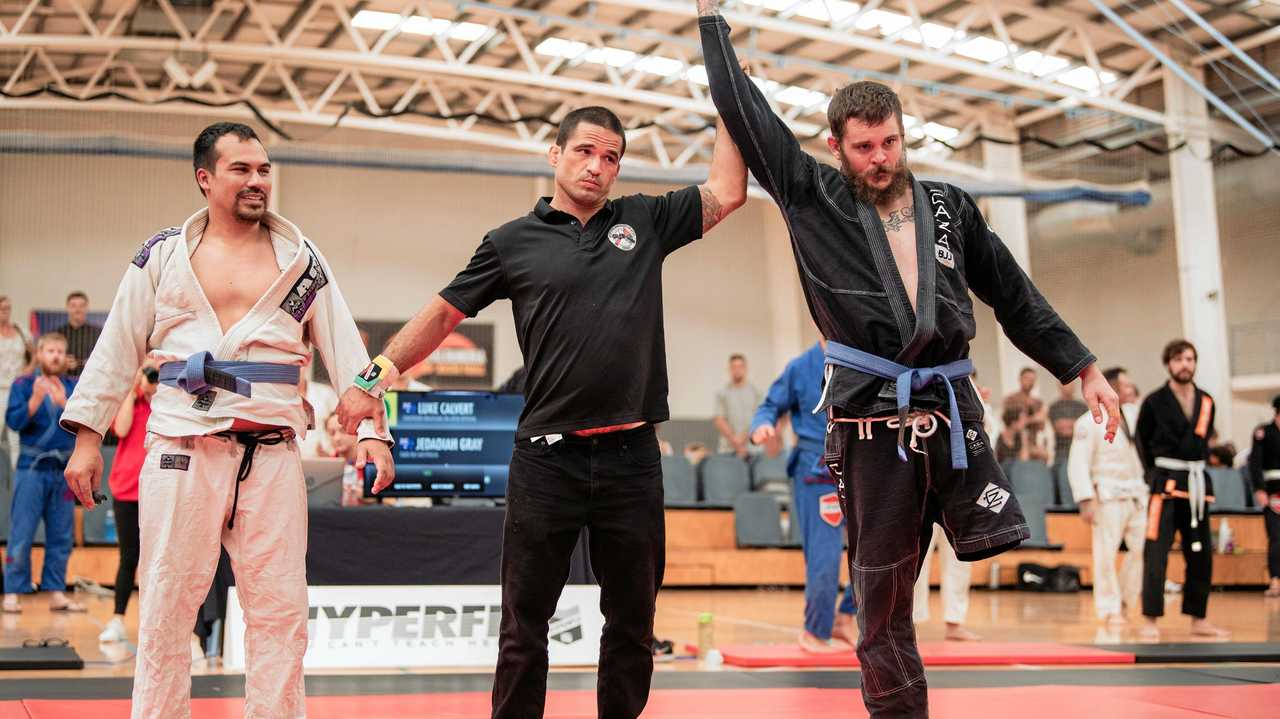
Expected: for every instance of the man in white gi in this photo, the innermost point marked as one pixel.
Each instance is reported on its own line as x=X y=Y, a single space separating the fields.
x=229 y=306
x=1108 y=483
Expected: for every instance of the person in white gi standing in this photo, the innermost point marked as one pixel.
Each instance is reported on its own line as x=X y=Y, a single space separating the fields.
x=1107 y=481
x=235 y=283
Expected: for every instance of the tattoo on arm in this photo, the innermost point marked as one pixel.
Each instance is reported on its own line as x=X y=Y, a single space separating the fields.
x=708 y=7
x=712 y=210
x=899 y=217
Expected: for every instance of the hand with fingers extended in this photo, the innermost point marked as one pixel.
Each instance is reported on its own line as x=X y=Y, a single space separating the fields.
x=1099 y=395
x=84 y=469
x=357 y=405
x=763 y=433
x=376 y=451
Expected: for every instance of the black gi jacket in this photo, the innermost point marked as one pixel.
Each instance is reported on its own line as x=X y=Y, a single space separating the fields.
x=1164 y=431
x=851 y=283
x=1265 y=455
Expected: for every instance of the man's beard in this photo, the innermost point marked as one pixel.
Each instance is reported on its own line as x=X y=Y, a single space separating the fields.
x=245 y=213
x=1182 y=376
x=862 y=190
x=52 y=369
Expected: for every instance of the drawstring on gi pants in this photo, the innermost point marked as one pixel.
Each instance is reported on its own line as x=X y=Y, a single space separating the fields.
x=251 y=441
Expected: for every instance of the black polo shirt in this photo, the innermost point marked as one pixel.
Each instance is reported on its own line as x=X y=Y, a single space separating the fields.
x=80 y=343
x=588 y=306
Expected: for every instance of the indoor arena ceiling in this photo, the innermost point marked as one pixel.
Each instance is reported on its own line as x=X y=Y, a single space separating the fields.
x=497 y=74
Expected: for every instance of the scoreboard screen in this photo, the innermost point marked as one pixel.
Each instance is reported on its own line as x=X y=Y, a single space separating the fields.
x=450 y=444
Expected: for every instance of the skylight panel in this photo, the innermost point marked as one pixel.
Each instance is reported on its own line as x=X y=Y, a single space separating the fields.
x=419 y=25
x=983 y=49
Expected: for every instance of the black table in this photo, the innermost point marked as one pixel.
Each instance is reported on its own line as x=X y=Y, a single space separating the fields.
x=414 y=545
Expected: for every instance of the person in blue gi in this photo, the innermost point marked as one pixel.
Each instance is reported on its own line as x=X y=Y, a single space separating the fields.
x=39 y=492
x=815 y=504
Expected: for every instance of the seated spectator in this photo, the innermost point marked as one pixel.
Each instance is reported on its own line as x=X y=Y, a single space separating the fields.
x=1024 y=436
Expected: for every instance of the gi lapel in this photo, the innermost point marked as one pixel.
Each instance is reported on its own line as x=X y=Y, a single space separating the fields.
x=882 y=253
x=267 y=305
x=926 y=278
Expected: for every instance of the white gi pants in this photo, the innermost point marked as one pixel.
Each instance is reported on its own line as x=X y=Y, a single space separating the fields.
x=1114 y=520
x=183 y=509
x=955 y=583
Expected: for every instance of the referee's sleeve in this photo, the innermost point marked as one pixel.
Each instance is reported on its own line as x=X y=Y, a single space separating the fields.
x=480 y=284
x=677 y=216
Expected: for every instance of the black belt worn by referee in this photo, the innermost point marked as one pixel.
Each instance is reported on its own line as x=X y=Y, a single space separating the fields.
x=584 y=276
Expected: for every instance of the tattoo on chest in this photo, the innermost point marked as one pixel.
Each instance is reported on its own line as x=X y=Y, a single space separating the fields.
x=899 y=218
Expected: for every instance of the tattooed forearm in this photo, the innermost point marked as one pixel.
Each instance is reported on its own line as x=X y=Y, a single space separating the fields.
x=708 y=7
x=712 y=209
x=898 y=218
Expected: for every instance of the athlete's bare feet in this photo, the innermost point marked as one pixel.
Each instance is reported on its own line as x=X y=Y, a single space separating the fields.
x=1202 y=628
x=1150 y=631
x=845 y=629
x=814 y=645
x=1274 y=589
x=957 y=633
x=1115 y=620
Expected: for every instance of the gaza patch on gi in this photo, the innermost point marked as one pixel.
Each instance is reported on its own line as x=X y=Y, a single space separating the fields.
x=304 y=291
x=144 y=252
x=944 y=224
x=623 y=237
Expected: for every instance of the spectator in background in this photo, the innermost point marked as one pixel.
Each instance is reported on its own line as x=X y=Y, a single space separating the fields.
x=16 y=357
x=35 y=405
x=735 y=406
x=323 y=401
x=1024 y=436
x=1026 y=391
x=343 y=446
x=1264 y=476
x=1107 y=479
x=130 y=425
x=815 y=502
x=1063 y=414
x=81 y=336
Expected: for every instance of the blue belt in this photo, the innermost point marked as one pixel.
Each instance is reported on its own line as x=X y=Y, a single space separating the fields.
x=910 y=379
x=37 y=455
x=201 y=371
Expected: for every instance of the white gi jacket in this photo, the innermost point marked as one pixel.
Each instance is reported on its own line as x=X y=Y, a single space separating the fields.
x=161 y=311
x=1100 y=470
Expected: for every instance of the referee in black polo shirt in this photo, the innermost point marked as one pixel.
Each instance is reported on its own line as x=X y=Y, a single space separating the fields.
x=584 y=274
x=81 y=336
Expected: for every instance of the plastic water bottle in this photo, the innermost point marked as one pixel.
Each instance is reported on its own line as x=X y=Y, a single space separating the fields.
x=706 y=634
x=109 y=527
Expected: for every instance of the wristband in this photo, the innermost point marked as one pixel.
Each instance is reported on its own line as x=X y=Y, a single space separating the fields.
x=375 y=378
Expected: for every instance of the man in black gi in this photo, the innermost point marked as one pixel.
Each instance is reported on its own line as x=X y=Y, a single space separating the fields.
x=886 y=263
x=1174 y=426
x=1264 y=473
x=584 y=275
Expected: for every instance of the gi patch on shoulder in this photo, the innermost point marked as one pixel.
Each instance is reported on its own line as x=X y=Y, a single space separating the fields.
x=993 y=498
x=204 y=401
x=623 y=237
x=180 y=462
x=829 y=509
x=304 y=291
x=144 y=253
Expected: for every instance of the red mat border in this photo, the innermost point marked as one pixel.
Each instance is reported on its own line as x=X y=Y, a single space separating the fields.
x=934 y=654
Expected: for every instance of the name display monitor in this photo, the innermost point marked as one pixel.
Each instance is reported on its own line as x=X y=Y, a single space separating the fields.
x=450 y=444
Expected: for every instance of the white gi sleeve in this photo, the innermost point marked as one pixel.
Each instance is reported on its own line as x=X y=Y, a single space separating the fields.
x=1080 y=459
x=109 y=374
x=334 y=333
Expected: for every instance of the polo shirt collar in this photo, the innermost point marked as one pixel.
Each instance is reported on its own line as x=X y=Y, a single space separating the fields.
x=545 y=212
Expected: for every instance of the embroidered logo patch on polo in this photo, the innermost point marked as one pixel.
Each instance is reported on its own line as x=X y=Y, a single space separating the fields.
x=180 y=462
x=623 y=237
x=304 y=291
x=829 y=509
x=993 y=498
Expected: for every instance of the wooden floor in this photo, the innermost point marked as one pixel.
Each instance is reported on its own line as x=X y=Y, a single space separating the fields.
x=740 y=616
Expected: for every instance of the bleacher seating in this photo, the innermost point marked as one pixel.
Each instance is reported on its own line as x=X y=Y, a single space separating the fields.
x=679 y=482
x=1229 y=491
x=1065 y=499
x=1033 y=486
x=724 y=477
x=757 y=520
x=770 y=474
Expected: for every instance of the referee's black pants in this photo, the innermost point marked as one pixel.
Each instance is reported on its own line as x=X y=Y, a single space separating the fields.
x=612 y=485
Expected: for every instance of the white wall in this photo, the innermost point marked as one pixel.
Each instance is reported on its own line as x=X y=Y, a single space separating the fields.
x=393 y=238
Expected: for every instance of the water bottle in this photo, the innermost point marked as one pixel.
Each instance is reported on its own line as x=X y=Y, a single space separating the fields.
x=706 y=634
x=109 y=527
